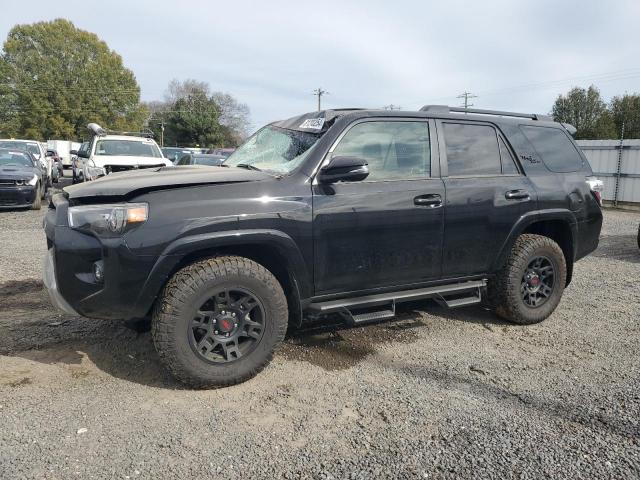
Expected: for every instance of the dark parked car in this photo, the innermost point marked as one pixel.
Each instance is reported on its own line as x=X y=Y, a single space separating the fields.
x=341 y=211
x=225 y=152
x=174 y=153
x=201 y=159
x=21 y=180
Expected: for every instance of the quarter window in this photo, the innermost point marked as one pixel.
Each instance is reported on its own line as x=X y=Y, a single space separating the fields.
x=394 y=150
x=471 y=149
x=555 y=148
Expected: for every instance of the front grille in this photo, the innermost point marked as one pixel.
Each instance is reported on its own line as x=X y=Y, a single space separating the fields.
x=7 y=200
x=5 y=183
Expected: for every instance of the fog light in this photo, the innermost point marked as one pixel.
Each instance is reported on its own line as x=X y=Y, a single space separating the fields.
x=98 y=271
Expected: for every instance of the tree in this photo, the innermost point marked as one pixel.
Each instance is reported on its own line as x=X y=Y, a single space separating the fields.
x=585 y=110
x=193 y=120
x=184 y=101
x=234 y=116
x=626 y=108
x=61 y=78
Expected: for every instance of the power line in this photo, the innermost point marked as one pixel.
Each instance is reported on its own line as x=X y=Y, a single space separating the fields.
x=466 y=96
x=550 y=84
x=319 y=92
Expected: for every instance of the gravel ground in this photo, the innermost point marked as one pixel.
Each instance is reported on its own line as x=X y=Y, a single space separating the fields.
x=434 y=394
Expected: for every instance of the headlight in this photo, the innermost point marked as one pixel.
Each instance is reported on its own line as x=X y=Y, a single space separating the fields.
x=33 y=181
x=109 y=220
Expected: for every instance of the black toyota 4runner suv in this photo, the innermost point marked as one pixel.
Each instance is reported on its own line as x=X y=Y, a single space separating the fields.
x=339 y=211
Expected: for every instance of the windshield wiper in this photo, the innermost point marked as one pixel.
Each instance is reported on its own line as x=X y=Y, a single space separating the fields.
x=248 y=167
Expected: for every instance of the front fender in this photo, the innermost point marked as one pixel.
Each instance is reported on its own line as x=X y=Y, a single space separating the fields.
x=174 y=254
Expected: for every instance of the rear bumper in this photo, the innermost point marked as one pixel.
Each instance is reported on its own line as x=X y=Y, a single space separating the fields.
x=588 y=236
x=11 y=197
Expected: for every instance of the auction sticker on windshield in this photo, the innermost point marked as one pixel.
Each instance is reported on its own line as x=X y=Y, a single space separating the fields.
x=313 y=123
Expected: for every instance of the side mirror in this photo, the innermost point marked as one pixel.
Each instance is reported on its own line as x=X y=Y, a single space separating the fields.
x=83 y=153
x=344 y=169
x=74 y=152
x=49 y=154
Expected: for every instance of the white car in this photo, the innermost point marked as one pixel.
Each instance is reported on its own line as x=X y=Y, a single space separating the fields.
x=108 y=153
x=38 y=150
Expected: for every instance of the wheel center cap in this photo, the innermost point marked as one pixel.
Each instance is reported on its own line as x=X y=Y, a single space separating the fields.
x=225 y=325
x=534 y=281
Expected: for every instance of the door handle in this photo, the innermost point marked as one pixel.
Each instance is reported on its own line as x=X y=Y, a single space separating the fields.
x=432 y=200
x=517 y=195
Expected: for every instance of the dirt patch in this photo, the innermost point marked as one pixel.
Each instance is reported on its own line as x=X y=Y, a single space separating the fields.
x=338 y=348
x=24 y=295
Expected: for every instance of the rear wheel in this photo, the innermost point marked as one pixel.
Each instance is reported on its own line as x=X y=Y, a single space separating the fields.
x=529 y=286
x=219 y=321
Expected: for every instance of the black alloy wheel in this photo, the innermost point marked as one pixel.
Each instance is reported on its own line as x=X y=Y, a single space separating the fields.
x=537 y=282
x=227 y=326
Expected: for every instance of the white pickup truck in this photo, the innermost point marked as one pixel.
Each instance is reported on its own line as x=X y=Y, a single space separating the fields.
x=109 y=153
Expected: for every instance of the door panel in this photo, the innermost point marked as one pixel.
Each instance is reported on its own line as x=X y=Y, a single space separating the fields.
x=372 y=234
x=479 y=217
x=486 y=195
x=387 y=230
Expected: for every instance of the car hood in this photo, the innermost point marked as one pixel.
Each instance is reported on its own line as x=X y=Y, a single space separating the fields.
x=148 y=179
x=17 y=172
x=128 y=160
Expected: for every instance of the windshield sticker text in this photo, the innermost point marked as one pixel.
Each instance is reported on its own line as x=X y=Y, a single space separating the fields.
x=313 y=123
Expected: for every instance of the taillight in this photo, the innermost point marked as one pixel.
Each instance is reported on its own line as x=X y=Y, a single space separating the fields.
x=597 y=187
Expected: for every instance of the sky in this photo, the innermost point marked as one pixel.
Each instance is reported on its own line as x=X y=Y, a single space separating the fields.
x=271 y=55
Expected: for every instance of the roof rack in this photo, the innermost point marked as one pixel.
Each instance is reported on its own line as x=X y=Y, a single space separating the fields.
x=478 y=111
x=101 y=132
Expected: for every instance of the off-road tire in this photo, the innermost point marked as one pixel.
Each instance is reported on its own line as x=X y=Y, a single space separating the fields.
x=175 y=308
x=37 y=200
x=504 y=290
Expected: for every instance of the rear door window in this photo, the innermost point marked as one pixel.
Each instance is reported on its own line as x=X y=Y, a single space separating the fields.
x=472 y=150
x=554 y=147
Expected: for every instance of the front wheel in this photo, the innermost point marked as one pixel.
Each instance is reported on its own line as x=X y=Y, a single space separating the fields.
x=529 y=286
x=219 y=321
x=37 y=200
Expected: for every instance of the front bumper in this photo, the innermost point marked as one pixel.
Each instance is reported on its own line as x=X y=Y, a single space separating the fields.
x=69 y=271
x=14 y=196
x=49 y=279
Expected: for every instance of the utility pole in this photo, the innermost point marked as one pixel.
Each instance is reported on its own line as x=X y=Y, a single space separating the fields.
x=319 y=92
x=391 y=106
x=619 y=167
x=162 y=134
x=467 y=96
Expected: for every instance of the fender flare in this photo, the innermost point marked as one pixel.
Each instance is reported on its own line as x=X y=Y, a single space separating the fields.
x=177 y=250
x=532 y=217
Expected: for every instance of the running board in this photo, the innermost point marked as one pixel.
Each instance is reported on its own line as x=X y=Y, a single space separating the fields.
x=471 y=291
